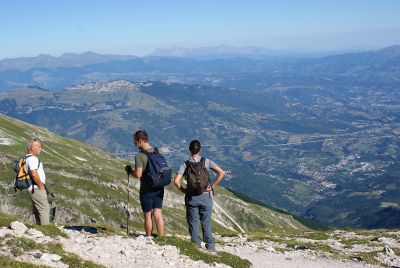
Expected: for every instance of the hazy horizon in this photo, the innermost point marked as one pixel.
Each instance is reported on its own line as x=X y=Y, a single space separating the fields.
x=138 y=28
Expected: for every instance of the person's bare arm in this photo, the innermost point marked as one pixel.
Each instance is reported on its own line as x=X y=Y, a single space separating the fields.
x=36 y=179
x=177 y=182
x=138 y=172
x=220 y=174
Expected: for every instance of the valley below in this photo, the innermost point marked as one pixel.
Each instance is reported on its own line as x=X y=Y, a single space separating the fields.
x=317 y=138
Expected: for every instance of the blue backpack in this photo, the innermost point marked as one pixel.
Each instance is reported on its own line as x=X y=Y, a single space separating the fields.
x=157 y=172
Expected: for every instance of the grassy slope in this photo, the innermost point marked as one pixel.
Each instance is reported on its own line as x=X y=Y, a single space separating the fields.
x=89 y=185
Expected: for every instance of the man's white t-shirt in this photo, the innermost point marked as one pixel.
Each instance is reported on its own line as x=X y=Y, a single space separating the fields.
x=32 y=163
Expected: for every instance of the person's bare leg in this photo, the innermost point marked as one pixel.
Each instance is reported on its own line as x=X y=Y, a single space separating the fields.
x=159 y=221
x=148 y=224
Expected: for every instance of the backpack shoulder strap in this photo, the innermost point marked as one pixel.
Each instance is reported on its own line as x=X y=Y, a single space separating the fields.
x=188 y=166
x=27 y=156
x=203 y=161
x=145 y=152
x=148 y=153
x=24 y=159
x=33 y=183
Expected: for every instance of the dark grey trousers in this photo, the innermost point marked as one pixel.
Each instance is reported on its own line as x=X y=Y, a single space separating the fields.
x=198 y=212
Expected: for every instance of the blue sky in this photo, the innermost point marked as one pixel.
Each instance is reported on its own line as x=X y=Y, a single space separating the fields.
x=33 y=27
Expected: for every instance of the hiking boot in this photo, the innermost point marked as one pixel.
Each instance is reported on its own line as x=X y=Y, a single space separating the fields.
x=208 y=251
x=212 y=252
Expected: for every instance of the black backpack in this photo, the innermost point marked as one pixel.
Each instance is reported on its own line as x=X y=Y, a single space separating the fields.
x=157 y=172
x=197 y=177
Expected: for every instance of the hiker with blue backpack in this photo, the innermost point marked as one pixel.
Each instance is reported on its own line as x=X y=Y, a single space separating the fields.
x=152 y=170
x=198 y=200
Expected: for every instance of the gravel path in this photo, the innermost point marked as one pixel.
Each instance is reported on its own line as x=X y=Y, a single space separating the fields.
x=293 y=259
x=143 y=252
x=118 y=251
x=139 y=251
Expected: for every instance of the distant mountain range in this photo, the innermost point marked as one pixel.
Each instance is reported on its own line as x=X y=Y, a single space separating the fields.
x=65 y=60
x=200 y=53
x=240 y=72
x=87 y=58
x=317 y=137
x=221 y=52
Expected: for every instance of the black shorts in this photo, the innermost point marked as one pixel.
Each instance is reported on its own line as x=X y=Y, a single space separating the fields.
x=151 y=200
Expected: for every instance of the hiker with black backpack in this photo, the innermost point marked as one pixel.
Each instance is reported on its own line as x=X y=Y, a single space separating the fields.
x=198 y=200
x=152 y=170
x=35 y=180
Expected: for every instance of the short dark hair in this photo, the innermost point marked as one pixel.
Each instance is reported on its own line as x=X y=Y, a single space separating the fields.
x=194 y=146
x=141 y=135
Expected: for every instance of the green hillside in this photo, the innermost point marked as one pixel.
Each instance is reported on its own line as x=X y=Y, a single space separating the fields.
x=320 y=152
x=89 y=186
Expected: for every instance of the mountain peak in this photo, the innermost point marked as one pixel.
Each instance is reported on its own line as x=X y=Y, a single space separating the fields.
x=221 y=51
x=86 y=54
x=65 y=60
x=393 y=51
x=44 y=56
x=110 y=86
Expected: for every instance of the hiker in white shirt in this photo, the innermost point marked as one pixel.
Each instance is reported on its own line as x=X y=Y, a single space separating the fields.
x=37 y=192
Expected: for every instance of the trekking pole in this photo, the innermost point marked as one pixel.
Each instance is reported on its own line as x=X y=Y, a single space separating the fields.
x=127 y=209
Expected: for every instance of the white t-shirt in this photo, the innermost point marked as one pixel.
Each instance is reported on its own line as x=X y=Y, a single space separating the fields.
x=32 y=163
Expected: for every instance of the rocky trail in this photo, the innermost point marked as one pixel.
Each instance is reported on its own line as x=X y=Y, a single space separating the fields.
x=139 y=251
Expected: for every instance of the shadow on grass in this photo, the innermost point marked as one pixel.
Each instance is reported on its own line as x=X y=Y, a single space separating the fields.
x=137 y=234
x=87 y=229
